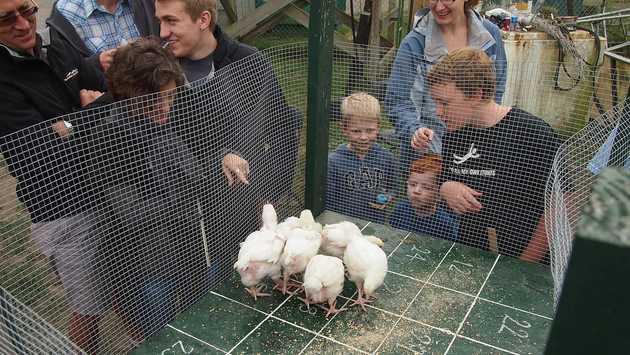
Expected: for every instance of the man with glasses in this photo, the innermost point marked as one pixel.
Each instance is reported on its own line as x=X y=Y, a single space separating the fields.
x=41 y=152
x=95 y=28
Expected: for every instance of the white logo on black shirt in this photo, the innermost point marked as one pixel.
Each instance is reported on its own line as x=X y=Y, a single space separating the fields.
x=472 y=153
x=71 y=74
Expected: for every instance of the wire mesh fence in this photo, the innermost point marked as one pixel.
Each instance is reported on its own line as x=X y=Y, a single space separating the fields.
x=130 y=218
x=139 y=209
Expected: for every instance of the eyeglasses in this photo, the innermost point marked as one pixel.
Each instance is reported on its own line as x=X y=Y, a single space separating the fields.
x=11 y=18
x=444 y=2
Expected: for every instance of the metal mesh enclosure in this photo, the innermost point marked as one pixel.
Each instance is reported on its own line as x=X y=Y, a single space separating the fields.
x=25 y=332
x=130 y=219
x=579 y=161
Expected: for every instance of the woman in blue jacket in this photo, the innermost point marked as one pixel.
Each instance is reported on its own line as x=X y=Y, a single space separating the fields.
x=444 y=26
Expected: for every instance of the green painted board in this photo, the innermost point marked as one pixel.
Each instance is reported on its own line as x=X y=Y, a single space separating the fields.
x=438 y=298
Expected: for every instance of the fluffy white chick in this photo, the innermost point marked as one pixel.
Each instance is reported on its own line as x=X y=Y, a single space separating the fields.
x=260 y=253
x=288 y=224
x=307 y=221
x=366 y=264
x=323 y=282
x=335 y=238
x=301 y=245
x=269 y=218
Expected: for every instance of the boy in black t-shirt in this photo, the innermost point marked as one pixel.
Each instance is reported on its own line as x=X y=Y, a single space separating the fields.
x=496 y=159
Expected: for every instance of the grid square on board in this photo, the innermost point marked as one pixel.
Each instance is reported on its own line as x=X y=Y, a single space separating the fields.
x=523 y=285
x=507 y=328
x=218 y=321
x=464 y=269
x=363 y=330
x=168 y=340
x=396 y=293
x=463 y=346
x=324 y=346
x=274 y=337
x=418 y=256
x=412 y=338
x=440 y=307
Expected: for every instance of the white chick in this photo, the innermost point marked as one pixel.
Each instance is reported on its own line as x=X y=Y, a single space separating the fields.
x=367 y=265
x=308 y=222
x=260 y=254
x=323 y=282
x=288 y=224
x=335 y=238
x=301 y=245
x=269 y=218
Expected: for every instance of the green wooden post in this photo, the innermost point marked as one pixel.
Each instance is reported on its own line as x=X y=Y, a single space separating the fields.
x=320 y=47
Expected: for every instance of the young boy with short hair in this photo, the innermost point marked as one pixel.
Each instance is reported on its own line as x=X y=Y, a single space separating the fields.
x=496 y=159
x=362 y=175
x=420 y=211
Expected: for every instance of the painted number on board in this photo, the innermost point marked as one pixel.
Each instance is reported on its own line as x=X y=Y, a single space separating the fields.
x=174 y=349
x=510 y=325
x=420 y=345
x=420 y=254
x=461 y=267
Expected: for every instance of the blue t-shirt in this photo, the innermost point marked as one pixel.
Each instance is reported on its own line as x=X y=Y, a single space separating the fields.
x=353 y=183
x=441 y=224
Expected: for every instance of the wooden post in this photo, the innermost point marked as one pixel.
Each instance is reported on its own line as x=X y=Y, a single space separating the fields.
x=320 y=50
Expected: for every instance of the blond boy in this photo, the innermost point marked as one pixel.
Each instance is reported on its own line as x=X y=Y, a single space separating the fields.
x=362 y=175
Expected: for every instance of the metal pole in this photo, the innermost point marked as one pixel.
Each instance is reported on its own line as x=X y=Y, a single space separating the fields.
x=320 y=51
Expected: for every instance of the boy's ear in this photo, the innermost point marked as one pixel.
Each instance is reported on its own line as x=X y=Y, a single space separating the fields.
x=204 y=20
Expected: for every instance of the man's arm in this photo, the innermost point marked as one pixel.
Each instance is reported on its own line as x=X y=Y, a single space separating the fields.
x=539 y=245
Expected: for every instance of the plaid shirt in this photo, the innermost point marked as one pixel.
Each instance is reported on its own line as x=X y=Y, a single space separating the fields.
x=99 y=29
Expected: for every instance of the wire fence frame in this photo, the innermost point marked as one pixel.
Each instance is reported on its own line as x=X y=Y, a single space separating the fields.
x=355 y=68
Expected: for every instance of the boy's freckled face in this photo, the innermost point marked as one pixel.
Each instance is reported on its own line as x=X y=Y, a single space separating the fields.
x=361 y=133
x=422 y=192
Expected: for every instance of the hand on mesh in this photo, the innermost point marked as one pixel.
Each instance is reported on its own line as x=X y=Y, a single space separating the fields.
x=106 y=58
x=88 y=96
x=62 y=128
x=460 y=198
x=421 y=138
x=235 y=168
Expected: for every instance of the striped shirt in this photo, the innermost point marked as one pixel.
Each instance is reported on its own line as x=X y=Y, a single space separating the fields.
x=99 y=29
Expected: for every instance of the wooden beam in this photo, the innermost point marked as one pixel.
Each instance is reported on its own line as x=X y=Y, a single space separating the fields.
x=302 y=17
x=263 y=27
x=228 y=6
x=346 y=19
x=261 y=14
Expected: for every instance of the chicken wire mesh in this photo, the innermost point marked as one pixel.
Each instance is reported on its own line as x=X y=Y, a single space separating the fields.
x=130 y=219
x=581 y=158
x=25 y=332
x=114 y=229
